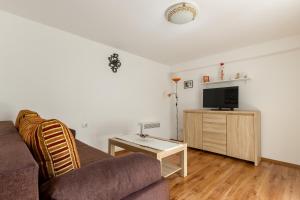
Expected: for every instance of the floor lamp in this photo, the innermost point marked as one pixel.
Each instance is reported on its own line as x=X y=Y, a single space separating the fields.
x=176 y=79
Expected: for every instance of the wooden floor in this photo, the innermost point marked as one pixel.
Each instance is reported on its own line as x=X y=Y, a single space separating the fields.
x=212 y=176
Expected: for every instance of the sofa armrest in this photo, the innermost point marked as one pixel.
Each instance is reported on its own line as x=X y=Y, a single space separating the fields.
x=157 y=191
x=18 y=169
x=109 y=179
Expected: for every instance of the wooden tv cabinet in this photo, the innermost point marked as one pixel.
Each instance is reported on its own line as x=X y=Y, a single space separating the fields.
x=232 y=133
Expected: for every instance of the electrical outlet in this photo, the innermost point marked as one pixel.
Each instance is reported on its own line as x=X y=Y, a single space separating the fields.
x=84 y=125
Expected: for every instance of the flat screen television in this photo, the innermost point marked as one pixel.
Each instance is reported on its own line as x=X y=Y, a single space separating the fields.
x=221 y=98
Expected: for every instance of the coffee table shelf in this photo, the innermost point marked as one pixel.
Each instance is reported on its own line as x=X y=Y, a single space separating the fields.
x=167 y=168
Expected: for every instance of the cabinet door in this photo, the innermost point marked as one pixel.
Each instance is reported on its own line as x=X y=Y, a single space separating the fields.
x=214 y=133
x=240 y=136
x=193 y=129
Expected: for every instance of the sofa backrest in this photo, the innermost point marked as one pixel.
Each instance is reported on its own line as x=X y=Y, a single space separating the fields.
x=18 y=169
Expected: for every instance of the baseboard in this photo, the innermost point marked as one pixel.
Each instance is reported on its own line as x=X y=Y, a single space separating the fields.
x=280 y=162
x=122 y=152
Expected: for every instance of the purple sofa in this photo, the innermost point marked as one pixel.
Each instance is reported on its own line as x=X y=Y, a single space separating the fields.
x=101 y=177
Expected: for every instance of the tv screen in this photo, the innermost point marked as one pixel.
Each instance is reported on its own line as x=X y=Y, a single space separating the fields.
x=227 y=97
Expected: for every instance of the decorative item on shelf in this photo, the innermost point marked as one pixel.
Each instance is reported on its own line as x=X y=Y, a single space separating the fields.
x=188 y=84
x=175 y=79
x=222 y=71
x=205 y=79
x=237 y=76
x=114 y=62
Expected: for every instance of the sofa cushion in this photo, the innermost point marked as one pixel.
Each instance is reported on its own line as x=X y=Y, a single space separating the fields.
x=109 y=179
x=89 y=154
x=52 y=145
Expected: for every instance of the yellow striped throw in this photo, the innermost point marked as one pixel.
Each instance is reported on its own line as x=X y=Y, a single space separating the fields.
x=51 y=143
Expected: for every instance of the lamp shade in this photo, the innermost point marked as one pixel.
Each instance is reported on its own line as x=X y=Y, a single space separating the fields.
x=176 y=79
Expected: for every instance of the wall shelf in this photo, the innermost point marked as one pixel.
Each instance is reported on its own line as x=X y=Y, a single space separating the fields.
x=225 y=81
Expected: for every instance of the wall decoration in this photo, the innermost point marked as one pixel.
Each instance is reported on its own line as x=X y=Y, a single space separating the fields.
x=188 y=84
x=114 y=62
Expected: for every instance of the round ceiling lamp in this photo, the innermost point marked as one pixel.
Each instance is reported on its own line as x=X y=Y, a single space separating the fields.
x=181 y=13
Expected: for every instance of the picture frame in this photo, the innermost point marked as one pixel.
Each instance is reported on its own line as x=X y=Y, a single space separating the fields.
x=188 y=84
x=205 y=79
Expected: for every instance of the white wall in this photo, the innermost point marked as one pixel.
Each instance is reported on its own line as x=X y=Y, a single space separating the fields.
x=274 y=89
x=64 y=76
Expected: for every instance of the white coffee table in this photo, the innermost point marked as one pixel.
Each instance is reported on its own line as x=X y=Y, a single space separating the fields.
x=157 y=147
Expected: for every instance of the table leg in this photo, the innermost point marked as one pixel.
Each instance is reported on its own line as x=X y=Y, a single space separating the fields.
x=183 y=163
x=161 y=166
x=111 y=149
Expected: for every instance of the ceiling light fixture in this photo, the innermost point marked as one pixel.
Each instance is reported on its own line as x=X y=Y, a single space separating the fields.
x=181 y=13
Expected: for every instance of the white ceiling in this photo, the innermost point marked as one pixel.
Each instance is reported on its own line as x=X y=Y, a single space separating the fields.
x=139 y=26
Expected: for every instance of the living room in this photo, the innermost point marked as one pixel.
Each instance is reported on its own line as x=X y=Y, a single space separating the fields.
x=109 y=70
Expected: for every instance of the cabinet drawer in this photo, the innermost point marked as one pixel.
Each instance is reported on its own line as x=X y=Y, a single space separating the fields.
x=214 y=133
x=215 y=142
x=214 y=118
x=214 y=128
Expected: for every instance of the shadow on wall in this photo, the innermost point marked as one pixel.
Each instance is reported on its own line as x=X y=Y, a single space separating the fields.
x=7 y=112
x=99 y=139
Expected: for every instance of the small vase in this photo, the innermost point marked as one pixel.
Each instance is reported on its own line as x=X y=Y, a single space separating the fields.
x=222 y=71
x=222 y=74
